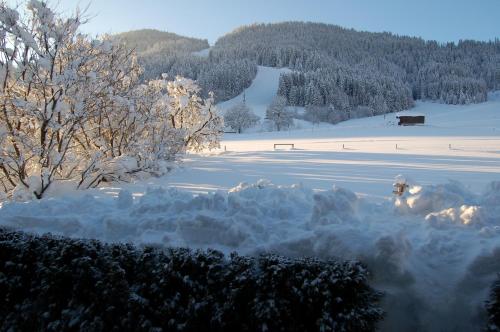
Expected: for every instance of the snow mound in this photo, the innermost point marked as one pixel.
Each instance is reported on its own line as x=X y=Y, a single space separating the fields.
x=465 y=215
x=492 y=195
x=334 y=207
x=434 y=198
x=453 y=204
x=421 y=247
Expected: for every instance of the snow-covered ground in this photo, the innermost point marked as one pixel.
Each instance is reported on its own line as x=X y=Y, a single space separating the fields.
x=457 y=142
x=203 y=53
x=435 y=251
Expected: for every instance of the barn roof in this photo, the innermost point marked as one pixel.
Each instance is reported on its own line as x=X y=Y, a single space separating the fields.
x=409 y=113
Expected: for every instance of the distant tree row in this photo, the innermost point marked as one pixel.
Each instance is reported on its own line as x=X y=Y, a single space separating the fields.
x=278 y=116
x=150 y=41
x=345 y=90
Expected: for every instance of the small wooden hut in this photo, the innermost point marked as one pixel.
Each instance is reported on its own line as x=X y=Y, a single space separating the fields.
x=408 y=120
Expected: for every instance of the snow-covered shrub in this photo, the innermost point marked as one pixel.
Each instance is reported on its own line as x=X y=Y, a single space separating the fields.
x=333 y=292
x=493 y=307
x=336 y=206
x=72 y=108
x=194 y=117
x=46 y=75
x=51 y=283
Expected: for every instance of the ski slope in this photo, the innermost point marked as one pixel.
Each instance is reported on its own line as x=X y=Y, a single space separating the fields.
x=203 y=53
x=434 y=252
x=260 y=93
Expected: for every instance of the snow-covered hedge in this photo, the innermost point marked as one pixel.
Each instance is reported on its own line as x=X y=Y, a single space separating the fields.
x=493 y=307
x=54 y=283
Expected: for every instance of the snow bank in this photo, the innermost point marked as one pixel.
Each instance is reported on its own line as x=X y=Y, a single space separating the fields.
x=452 y=203
x=424 y=248
x=434 y=198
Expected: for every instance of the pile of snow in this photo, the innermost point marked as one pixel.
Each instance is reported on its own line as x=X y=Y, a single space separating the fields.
x=452 y=204
x=434 y=198
x=424 y=248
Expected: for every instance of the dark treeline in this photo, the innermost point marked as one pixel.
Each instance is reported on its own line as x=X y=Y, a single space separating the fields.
x=166 y=53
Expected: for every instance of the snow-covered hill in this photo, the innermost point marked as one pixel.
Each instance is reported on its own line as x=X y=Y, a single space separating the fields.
x=260 y=93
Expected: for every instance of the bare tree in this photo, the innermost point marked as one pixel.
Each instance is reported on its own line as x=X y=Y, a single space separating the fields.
x=240 y=117
x=278 y=114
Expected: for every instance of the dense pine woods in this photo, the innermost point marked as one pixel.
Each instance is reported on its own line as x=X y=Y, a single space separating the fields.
x=149 y=41
x=167 y=53
x=339 y=68
x=366 y=66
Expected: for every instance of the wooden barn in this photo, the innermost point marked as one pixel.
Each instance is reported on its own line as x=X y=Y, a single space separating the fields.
x=408 y=120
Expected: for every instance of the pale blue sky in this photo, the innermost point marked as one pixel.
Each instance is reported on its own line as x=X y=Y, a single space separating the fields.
x=442 y=20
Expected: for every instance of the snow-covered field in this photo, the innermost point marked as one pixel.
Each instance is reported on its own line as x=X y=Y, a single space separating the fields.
x=435 y=251
x=458 y=142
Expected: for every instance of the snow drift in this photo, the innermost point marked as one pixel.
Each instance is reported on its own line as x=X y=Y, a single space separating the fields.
x=433 y=251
